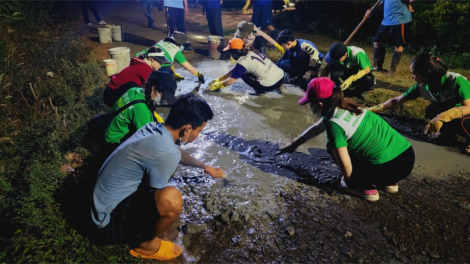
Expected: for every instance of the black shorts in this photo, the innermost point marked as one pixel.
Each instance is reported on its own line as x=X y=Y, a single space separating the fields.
x=394 y=35
x=133 y=220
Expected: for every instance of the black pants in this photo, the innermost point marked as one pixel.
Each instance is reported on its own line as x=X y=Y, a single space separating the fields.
x=367 y=176
x=89 y=4
x=174 y=19
x=459 y=125
x=251 y=80
x=339 y=73
x=214 y=20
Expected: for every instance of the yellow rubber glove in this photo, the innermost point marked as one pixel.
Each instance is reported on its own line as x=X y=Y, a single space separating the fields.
x=158 y=117
x=200 y=77
x=437 y=122
x=376 y=109
x=215 y=81
x=280 y=48
x=177 y=76
x=246 y=7
x=345 y=85
x=287 y=2
x=214 y=87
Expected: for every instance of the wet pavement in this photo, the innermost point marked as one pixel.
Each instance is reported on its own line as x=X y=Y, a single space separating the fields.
x=289 y=208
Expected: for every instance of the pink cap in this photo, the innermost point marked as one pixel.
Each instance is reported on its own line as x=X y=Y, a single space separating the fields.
x=318 y=88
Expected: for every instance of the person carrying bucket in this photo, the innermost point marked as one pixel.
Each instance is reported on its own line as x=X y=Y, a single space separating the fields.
x=172 y=47
x=134 y=75
x=255 y=68
x=369 y=152
x=301 y=61
x=448 y=92
x=132 y=202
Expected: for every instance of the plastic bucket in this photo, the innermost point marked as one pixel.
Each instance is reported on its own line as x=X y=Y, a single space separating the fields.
x=111 y=67
x=116 y=32
x=215 y=45
x=122 y=57
x=105 y=35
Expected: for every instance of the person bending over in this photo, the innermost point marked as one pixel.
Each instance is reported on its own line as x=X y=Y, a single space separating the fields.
x=134 y=75
x=368 y=151
x=349 y=68
x=132 y=203
x=254 y=38
x=256 y=70
x=172 y=47
x=448 y=92
x=302 y=59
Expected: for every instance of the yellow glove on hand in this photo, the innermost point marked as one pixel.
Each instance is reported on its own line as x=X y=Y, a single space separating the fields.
x=437 y=122
x=345 y=85
x=280 y=48
x=158 y=117
x=377 y=108
x=216 y=86
x=177 y=76
x=246 y=7
x=287 y=2
x=214 y=81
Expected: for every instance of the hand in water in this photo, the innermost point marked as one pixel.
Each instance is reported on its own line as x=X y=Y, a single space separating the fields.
x=289 y=148
x=215 y=172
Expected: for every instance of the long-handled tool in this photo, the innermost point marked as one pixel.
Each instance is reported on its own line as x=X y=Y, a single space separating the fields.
x=360 y=24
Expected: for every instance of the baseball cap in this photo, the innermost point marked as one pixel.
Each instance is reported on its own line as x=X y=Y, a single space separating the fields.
x=235 y=43
x=244 y=29
x=166 y=84
x=318 y=88
x=337 y=50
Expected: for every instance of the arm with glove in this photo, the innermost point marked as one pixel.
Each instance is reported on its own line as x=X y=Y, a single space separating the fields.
x=259 y=33
x=437 y=122
x=345 y=85
x=392 y=103
x=221 y=82
x=245 y=8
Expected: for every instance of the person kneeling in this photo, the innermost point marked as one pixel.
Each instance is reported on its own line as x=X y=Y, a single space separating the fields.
x=368 y=151
x=256 y=70
x=131 y=200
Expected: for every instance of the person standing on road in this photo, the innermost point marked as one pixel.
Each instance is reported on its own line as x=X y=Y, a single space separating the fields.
x=369 y=152
x=255 y=68
x=147 y=7
x=263 y=17
x=89 y=4
x=302 y=59
x=448 y=92
x=392 y=31
x=132 y=202
x=213 y=11
x=175 y=12
x=349 y=67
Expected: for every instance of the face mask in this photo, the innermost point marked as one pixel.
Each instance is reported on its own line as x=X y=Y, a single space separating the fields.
x=157 y=99
x=182 y=143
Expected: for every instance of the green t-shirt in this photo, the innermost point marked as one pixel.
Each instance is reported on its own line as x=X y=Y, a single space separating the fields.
x=130 y=119
x=356 y=56
x=454 y=87
x=366 y=135
x=172 y=52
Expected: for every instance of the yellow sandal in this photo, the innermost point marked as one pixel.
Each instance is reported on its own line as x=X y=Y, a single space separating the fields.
x=166 y=251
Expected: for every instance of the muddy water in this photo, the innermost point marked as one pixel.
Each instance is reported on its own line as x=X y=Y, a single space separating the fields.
x=244 y=132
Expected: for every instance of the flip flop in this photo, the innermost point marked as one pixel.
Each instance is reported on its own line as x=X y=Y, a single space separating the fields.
x=165 y=252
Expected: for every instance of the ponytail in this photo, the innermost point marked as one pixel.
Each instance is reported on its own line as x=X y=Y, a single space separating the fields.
x=430 y=67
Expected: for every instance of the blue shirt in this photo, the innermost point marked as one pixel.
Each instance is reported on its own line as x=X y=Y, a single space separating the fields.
x=152 y=152
x=395 y=13
x=261 y=2
x=306 y=53
x=173 y=3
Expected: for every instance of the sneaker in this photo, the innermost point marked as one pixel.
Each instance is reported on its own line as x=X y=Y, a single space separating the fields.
x=369 y=195
x=102 y=22
x=188 y=48
x=391 y=188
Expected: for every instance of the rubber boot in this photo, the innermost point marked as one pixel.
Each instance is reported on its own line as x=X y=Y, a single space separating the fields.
x=395 y=61
x=379 y=58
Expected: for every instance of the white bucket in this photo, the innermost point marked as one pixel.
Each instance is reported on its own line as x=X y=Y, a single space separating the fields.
x=116 y=32
x=105 y=35
x=111 y=67
x=122 y=57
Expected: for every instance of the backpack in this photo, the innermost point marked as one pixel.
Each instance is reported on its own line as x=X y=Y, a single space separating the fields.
x=98 y=125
